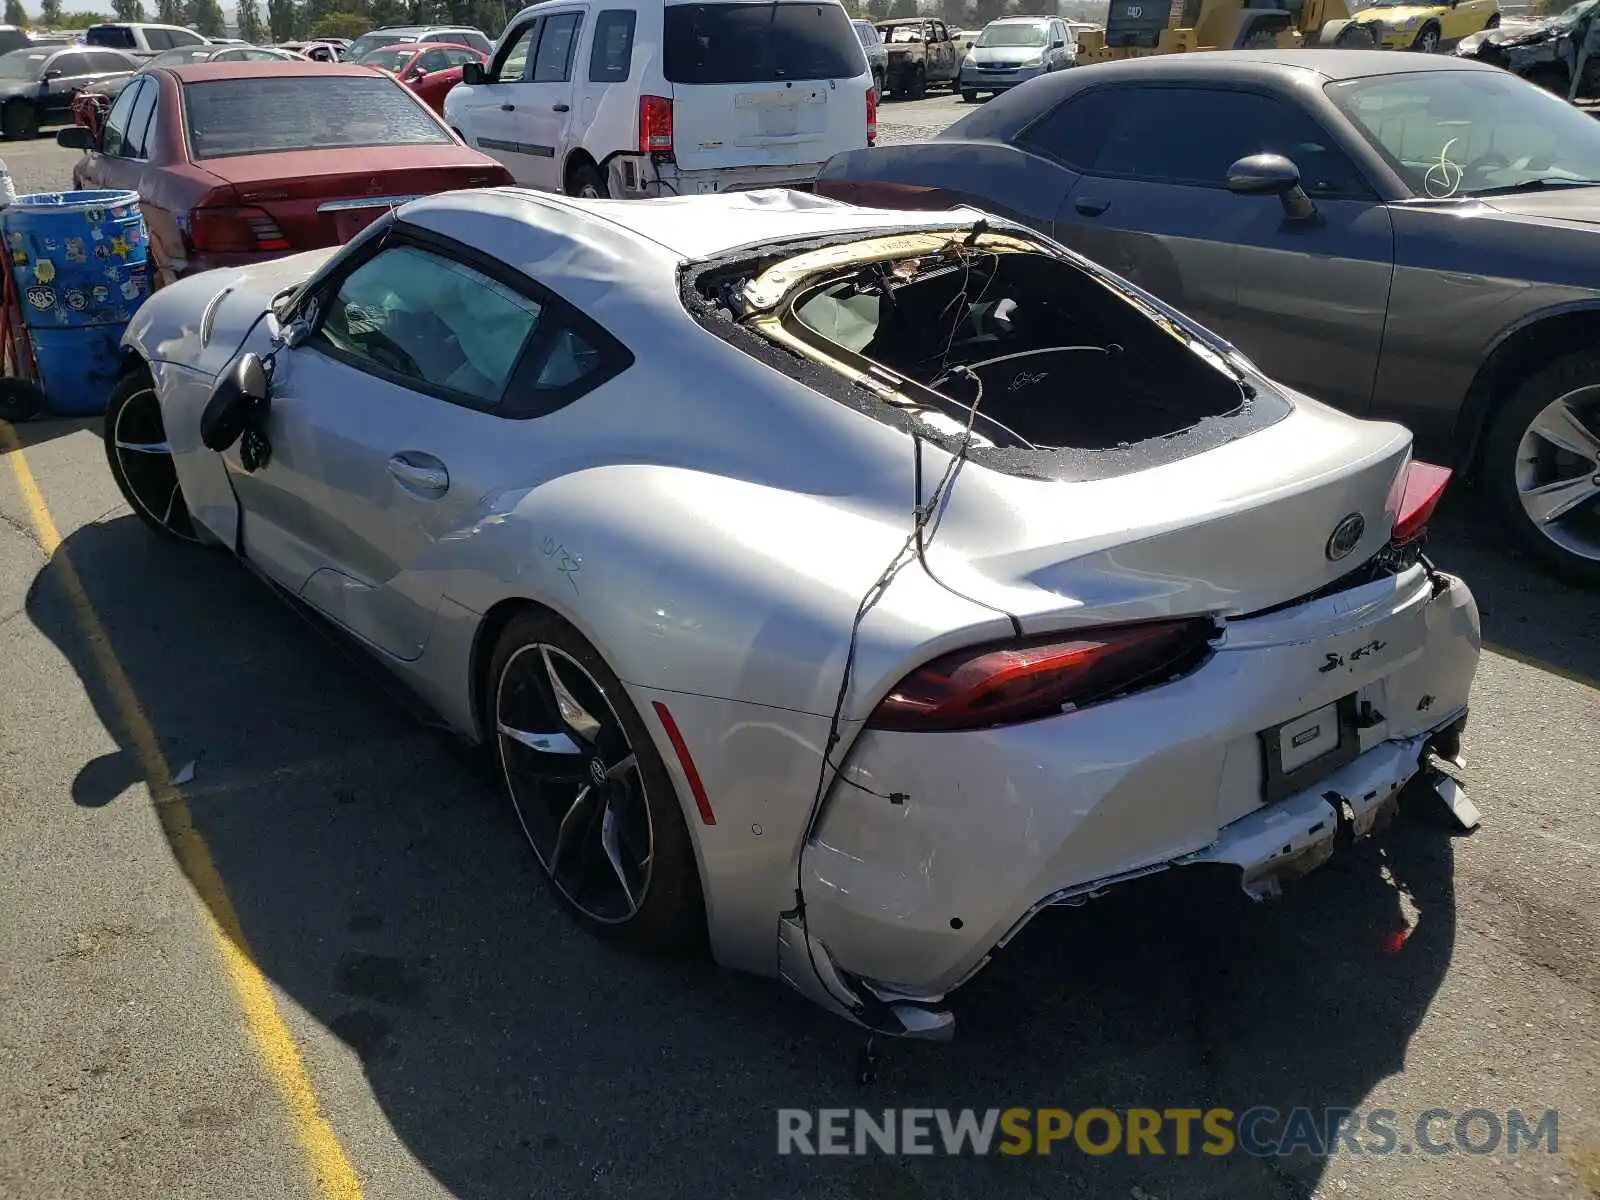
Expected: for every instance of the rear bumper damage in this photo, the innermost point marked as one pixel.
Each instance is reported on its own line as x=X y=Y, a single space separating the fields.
x=904 y=902
x=643 y=176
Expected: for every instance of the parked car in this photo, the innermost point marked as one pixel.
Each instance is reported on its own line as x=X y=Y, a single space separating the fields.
x=921 y=51
x=12 y=38
x=877 y=53
x=311 y=51
x=428 y=70
x=1014 y=50
x=1405 y=237
x=140 y=38
x=1542 y=50
x=37 y=84
x=1425 y=25
x=734 y=689
x=647 y=98
x=238 y=162
x=105 y=92
x=395 y=35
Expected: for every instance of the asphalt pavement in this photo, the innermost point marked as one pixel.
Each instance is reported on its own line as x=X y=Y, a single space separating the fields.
x=264 y=933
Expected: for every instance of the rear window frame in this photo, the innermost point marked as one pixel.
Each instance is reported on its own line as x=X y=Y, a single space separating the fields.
x=125 y=31
x=848 y=44
x=186 y=88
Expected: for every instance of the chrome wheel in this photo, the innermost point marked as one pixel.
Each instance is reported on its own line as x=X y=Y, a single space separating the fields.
x=1557 y=472
x=143 y=460
x=1429 y=41
x=575 y=782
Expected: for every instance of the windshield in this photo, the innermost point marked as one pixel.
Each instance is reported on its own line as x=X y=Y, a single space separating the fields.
x=759 y=43
x=23 y=64
x=390 y=58
x=267 y=114
x=1461 y=133
x=368 y=42
x=177 y=58
x=1568 y=17
x=1012 y=35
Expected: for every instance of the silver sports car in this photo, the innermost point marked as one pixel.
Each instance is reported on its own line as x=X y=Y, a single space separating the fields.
x=839 y=586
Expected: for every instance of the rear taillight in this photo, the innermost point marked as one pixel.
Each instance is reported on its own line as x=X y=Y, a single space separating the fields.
x=655 y=125
x=1001 y=685
x=231 y=230
x=1420 y=492
x=872 y=116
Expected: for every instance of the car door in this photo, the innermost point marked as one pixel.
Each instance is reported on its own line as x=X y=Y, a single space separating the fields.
x=546 y=124
x=65 y=74
x=1305 y=299
x=120 y=159
x=488 y=114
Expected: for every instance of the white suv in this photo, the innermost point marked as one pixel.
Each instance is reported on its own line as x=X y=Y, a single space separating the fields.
x=642 y=98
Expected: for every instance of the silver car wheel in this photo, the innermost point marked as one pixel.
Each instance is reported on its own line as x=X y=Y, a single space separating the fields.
x=144 y=459
x=1429 y=41
x=1558 y=472
x=575 y=783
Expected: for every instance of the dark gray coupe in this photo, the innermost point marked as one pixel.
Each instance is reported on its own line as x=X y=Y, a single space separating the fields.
x=1403 y=236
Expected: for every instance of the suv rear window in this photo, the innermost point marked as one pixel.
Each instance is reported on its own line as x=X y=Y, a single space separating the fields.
x=119 y=37
x=759 y=43
x=269 y=115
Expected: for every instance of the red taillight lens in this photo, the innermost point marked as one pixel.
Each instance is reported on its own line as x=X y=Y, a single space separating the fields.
x=655 y=125
x=1001 y=685
x=872 y=116
x=235 y=231
x=1420 y=494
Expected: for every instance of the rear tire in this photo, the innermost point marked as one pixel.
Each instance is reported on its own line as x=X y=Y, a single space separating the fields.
x=1427 y=40
x=643 y=891
x=1261 y=39
x=1356 y=37
x=586 y=183
x=141 y=460
x=1524 y=469
x=20 y=400
x=918 y=87
x=968 y=96
x=19 y=121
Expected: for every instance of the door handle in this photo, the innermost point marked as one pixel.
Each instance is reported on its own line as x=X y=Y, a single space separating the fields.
x=561 y=108
x=1091 y=206
x=508 y=108
x=420 y=473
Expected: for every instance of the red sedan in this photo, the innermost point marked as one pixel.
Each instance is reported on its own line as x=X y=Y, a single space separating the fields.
x=429 y=70
x=237 y=162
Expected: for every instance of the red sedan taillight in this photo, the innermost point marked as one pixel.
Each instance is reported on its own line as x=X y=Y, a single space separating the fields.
x=235 y=230
x=1003 y=685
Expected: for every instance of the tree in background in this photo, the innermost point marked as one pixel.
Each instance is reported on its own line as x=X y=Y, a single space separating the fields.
x=170 y=12
x=877 y=10
x=206 y=19
x=248 y=16
x=49 y=13
x=340 y=25
x=16 y=14
x=283 y=20
x=128 y=10
x=903 y=8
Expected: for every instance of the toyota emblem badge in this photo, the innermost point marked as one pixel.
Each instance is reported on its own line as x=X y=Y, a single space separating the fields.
x=1346 y=536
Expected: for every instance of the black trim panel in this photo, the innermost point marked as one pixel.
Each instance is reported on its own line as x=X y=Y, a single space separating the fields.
x=517 y=147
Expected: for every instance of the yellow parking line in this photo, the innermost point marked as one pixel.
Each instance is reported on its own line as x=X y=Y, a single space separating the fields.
x=336 y=1178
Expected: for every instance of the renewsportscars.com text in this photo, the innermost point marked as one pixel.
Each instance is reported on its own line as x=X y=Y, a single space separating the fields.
x=1261 y=1131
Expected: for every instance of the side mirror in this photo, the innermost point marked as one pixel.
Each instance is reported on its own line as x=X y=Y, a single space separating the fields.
x=1271 y=174
x=473 y=74
x=238 y=395
x=76 y=137
x=52 y=73
x=1058 y=44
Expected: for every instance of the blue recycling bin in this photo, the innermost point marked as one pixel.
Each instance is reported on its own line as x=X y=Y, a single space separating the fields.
x=80 y=264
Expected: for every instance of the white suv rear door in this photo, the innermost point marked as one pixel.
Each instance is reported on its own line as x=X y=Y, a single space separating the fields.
x=755 y=85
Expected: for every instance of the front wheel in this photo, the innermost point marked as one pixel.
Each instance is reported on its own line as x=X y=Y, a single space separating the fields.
x=968 y=96
x=1356 y=37
x=918 y=87
x=19 y=121
x=141 y=459
x=1541 y=462
x=593 y=797
x=1427 y=41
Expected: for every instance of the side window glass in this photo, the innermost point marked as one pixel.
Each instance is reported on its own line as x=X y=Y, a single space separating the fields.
x=458 y=58
x=141 y=122
x=1193 y=135
x=611 y=56
x=182 y=37
x=433 y=60
x=159 y=39
x=553 y=62
x=71 y=65
x=1072 y=133
x=115 y=130
x=512 y=61
x=428 y=320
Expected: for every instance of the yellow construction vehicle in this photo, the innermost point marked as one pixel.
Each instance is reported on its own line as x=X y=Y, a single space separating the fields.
x=1135 y=28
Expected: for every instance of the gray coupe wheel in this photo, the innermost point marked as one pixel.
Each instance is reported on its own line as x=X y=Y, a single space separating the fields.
x=1542 y=460
x=589 y=789
x=141 y=459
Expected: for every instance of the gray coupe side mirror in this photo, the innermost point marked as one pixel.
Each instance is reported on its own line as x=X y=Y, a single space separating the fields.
x=1263 y=174
x=239 y=393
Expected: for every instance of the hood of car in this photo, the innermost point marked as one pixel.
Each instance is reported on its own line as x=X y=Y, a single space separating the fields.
x=1574 y=206
x=1005 y=56
x=1397 y=14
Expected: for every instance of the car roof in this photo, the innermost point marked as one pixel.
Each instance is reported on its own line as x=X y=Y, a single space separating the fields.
x=1023 y=20
x=286 y=68
x=1329 y=64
